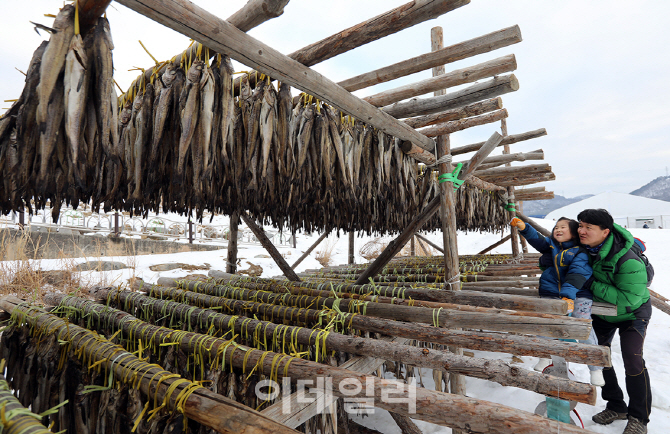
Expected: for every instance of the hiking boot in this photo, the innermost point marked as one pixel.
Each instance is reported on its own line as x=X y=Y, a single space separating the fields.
x=635 y=426
x=597 y=378
x=541 y=364
x=608 y=416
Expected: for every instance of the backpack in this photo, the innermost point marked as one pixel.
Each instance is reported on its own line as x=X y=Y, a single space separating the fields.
x=636 y=251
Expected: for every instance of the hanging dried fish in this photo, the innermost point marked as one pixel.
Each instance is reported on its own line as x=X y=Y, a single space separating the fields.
x=50 y=88
x=76 y=91
x=189 y=103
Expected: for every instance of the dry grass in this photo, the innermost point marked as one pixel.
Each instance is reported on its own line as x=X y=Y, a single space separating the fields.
x=373 y=248
x=23 y=277
x=325 y=254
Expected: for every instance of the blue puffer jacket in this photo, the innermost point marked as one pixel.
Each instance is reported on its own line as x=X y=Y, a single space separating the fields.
x=570 y=266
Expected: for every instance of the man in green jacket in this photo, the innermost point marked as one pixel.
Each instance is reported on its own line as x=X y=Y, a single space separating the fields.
x=619 y=277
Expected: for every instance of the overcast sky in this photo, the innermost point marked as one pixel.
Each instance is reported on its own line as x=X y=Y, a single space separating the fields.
x=593 y=73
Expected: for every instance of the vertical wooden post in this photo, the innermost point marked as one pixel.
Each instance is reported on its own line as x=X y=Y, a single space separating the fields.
x=271 y=249
x=22 y=219
x=524 y=244
x=412 y=246
x=510 y=194
x=116 y=223
x=351 y=247
x=447 y=215
x=231 y=266
x=190 y=230
x=293 y=239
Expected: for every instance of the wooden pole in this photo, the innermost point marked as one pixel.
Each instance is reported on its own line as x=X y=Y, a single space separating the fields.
x=352 y=239
x=397 y=244
x=89 y=12
x=534 y=224
x=475 y=109
x=425 y=250
x=269 y=247
x=542 y=324
x=447 y=216
x=508 y=140
x=430 y=243
x=499 y=160
x=463 y=124
x=196 y=23
x=497 y=342
x=412 y=247
x=458 y=77
x=424 y=106
x=496 y=244
x=464 y=297
x=482 y=44
x=312 y=247
x=231 y=266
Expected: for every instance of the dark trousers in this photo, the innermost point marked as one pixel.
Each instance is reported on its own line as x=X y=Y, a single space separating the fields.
x=631 y=334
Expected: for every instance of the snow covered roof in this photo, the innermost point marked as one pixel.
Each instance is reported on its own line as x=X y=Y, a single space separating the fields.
x=620 y=205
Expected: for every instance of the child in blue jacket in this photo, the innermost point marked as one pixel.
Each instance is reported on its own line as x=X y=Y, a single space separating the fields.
x=566 y=271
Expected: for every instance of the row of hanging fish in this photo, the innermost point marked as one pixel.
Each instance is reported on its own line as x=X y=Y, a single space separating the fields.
x=179 y=140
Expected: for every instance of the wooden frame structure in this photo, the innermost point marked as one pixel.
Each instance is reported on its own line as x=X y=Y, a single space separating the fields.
x=443 y=114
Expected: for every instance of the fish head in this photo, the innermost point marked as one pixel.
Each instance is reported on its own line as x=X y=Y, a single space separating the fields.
x=308 y=113
x=169 y=74
x=245 y=89
x=195 y=71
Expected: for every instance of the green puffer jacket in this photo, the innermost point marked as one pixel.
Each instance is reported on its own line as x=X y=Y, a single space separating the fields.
x=628 y=287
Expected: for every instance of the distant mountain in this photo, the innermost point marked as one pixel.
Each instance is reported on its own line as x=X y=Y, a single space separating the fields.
x=659 y=189
x=540 y=208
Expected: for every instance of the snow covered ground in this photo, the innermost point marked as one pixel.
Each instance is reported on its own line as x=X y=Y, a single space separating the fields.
x=657 y=346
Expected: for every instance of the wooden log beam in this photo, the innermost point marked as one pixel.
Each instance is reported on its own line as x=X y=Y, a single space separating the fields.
x=21 y=421
x=323 y=236
x=270 y=248
x=545 y=195
x=522 y=345
x=513 y=171
x=460 y=125
x=448 y=214
x=424 y=106
x=480 y=183
x=89 y=12
x=515 y=181
x=534 y=224
x=396 y=245
x=540 y=324
x=508 y=140
x=430 y=243
x=231 y=266
x=497 y=160
x=352 y=240
x=482 y=44
x=464 y=296
x=213 y=32
x=457 y=77
x=203 y=406
x=496 y=244
x=474 y=109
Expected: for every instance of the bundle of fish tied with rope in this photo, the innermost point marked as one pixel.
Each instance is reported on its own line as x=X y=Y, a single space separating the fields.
x=179 y=140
